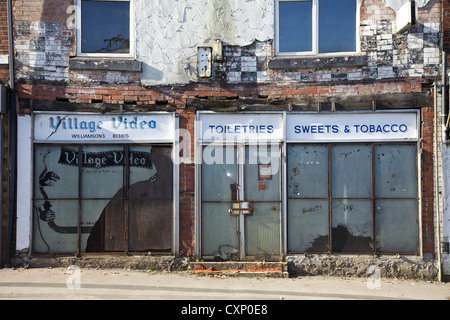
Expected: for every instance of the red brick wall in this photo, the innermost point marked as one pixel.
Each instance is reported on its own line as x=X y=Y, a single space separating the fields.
x=427 y=179
x=4 y=47
x=187 y=188
x=120 y=93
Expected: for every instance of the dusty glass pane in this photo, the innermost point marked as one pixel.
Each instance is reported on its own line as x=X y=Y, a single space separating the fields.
x=55 y=172
x=307 y=225
x=262 y=173
x=105 y=26
x=152 y=165
x=351 y=171
x=55 y=231
x=352 y=225
x=337 y=26
x=219 y=174
x=307 y=173
x=219 y=228
x=262 y=230
x=295 y=26
x=102 y=171
x=395 y=171
x=397 y=226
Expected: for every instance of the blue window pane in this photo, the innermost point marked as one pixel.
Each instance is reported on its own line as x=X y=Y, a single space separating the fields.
x=337 y=26
x=295 y=26
x=105 y=27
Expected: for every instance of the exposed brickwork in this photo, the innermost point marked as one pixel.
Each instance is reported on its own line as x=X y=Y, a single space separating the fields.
x=427 y=180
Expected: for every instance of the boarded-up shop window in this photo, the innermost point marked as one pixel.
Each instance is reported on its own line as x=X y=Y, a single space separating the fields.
x=353 y=198
x=102 y=198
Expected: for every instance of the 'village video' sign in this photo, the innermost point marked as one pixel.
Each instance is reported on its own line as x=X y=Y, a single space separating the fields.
x=92 y=128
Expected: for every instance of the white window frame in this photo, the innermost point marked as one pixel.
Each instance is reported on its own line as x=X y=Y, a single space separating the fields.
x=315 y=32
x=132 y=52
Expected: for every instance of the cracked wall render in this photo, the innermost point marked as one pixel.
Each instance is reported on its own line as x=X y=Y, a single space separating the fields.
x=169 y=32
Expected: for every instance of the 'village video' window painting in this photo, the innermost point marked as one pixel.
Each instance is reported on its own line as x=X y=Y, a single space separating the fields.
x=102 y=198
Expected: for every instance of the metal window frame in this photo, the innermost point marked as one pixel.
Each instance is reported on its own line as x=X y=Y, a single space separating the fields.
x=199 y=143
x=315 y=33
x=373 y=198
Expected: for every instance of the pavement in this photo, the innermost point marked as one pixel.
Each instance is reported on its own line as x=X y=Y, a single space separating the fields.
x=74 y=283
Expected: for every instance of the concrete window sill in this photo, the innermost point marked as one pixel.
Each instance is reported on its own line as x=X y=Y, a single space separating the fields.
x=105 y=64
x=317 y=62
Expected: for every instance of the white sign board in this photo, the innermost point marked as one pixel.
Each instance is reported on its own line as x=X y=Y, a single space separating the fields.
x=95 y=128
x=241 y=127
x=339 y=127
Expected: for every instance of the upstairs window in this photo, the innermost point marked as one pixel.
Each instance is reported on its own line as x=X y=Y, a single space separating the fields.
x=105 y=28
x=312 y=27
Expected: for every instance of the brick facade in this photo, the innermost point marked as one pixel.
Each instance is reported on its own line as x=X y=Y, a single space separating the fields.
x=394 y=64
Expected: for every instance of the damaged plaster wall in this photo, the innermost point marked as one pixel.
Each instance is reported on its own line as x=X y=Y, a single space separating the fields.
x=168 y=33
x=396 y=4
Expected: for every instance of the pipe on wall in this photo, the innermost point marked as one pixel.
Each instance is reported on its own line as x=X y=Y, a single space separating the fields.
x=12 y=140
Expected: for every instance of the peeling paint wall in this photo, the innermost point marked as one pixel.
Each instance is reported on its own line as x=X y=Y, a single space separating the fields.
x=168 y=33
x=396 y=4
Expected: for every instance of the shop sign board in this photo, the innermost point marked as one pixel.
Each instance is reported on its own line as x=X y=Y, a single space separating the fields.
x=95 y=128
x=341 y=127
x=241 y=127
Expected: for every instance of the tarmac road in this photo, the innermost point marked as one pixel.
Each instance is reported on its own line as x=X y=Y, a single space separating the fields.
x=87 y=284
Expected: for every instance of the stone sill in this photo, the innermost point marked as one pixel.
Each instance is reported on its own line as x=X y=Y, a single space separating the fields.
x=129 y=65
x=317 y=62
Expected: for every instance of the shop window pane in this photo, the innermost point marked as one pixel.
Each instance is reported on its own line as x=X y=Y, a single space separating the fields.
x=351 y=171
x=308 y=225
x=105 y=26
x=262 y=173
x=55 y=229
x=295 y=26
x=397 y=226
x=307 y=175
x=352 y=225
x=219 y=228
x=337 y=26
x=219 y=174
x=262 y=230
x=55 y=172
x=102 y=171
x=395 y=171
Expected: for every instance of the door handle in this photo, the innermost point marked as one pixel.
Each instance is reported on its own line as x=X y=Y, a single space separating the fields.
x=241 y=207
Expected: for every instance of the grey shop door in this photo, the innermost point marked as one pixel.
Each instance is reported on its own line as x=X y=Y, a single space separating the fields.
x=241 y=202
